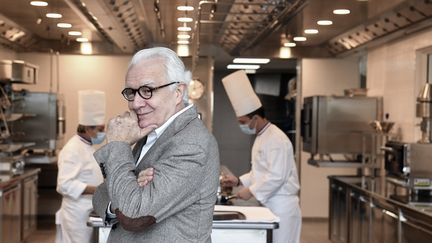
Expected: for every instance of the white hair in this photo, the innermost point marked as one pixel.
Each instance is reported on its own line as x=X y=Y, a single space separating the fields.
x=175 y=70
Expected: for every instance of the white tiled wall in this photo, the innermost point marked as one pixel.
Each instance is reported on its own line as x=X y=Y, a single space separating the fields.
x=392 y=72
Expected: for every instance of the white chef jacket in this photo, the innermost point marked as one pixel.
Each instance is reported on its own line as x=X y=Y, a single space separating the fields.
x=273 y=180
x=77 y=168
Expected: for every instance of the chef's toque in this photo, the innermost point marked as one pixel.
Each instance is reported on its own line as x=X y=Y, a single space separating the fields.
x=91 y=107
x=240 y=93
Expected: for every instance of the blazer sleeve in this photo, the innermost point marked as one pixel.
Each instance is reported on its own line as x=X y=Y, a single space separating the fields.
x=101 y=201
x=178 y=174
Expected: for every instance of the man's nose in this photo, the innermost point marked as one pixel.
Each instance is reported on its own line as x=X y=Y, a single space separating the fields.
x=138 y=102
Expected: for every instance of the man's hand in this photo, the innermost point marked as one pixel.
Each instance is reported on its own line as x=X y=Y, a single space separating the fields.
x=229 y=180
x=145 y=177
x=125 y=128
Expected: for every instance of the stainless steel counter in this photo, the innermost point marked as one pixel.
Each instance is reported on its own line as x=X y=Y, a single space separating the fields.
x=365 y=209
x=18 y=203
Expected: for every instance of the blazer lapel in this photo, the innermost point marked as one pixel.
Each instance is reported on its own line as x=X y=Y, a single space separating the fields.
x=136 y=151
x=177 y=125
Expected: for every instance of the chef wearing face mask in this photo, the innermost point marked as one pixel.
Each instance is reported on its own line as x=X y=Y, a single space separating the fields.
x=78 y=171
x=273 y=178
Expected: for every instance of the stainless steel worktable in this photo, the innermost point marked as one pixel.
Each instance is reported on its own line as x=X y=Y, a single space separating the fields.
x=249 y=229
x=366 y=209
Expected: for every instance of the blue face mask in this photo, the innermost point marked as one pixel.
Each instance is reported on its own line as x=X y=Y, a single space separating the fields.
x=246 y=129
x=100 y=137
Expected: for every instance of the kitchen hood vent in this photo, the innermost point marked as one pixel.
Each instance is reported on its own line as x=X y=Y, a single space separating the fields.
x=117 y=20
x=242 y=24
x=13 y=36
x=406 y=18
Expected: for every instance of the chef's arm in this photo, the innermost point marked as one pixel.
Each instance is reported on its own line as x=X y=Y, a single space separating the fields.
x=89 y=190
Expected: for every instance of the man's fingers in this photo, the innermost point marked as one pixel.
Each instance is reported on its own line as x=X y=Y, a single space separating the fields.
x=133 y=115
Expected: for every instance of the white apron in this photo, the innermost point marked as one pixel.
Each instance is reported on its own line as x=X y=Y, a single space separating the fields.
x=77 y=169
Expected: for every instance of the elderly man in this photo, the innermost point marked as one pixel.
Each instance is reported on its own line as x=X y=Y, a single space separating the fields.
x=177 y=205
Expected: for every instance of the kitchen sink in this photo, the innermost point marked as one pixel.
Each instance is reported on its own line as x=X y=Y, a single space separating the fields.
x=227 y=215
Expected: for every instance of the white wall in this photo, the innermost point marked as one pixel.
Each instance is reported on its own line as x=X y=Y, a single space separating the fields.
x=77 y=72
x=392 y=71
x=6 y=54
x=323 y=77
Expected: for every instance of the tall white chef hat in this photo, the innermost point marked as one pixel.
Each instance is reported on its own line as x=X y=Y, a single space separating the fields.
x=91 y=107
x=240 y=93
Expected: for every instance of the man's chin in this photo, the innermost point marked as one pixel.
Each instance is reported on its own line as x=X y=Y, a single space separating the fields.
x=143 y=125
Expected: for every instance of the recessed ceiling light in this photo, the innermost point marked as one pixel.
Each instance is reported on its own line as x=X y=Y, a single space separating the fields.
x=290 y=44
x=185 y=8
x=39 y=3
x=64 y=25
x=86 y=48
x=251 y=60
x=54 y=15
x=311 y=31
x=299 y=38
x=183 y=42
x=341 y=11
x=184 y=28
x=242 y=66
x=183 y=36
x=82 y=39
x=75 y=33
x=324 y=22
x=184 y=19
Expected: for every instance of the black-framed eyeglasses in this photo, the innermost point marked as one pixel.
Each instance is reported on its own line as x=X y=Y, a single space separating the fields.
x=144 y=91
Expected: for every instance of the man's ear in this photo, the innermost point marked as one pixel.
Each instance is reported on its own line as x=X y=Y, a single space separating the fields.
x=180 y=90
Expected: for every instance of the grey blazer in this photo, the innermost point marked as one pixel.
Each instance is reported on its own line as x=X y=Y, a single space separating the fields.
x=177 y=206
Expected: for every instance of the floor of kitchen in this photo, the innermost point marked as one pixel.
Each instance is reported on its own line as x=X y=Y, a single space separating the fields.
x=313 y=230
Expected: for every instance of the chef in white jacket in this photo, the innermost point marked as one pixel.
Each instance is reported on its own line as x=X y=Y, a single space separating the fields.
x=273 y=178
x=78 y=172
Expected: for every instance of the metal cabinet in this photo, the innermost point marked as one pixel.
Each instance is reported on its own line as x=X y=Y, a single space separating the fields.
x=10 y=220
x=415 y=228
x=360 y=218
x=338 y=213
x=357 y=215
x=385 y=223
x=29 y=206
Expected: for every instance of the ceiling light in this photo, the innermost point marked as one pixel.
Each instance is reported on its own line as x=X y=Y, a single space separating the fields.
x=299 y=38
x=285 y=52
x=183 y=36
x=250 y=71
x=341 y=11
x=242 y=66
x=75 y=33
x=184 y=19
x=86 y=48
x=54 y=15
x=290 y=44
x=39 y=3
x=82 y=39
x=251 y=60
x=311 y=31
x=184 y=28
x=64 y=25
x=185 y=8
x=182 y=50
x=183 y=42
x=324 y=22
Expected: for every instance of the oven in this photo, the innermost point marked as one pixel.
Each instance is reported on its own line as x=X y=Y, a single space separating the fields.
x=396 y=159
